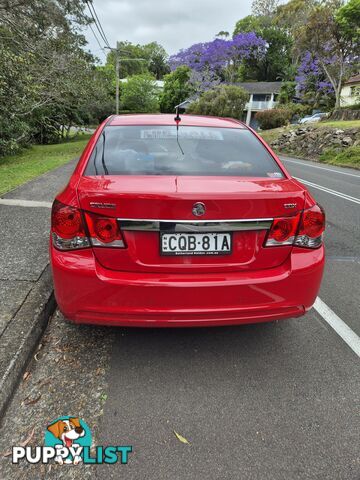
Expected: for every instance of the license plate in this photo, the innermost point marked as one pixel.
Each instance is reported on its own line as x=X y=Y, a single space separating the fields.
x=196 y=243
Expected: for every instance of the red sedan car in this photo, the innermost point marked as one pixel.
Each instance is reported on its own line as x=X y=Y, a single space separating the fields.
x=183 y=223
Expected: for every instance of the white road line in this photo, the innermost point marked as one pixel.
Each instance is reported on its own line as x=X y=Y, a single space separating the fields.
x=320 y=168
x=340 y=327
x=24 y=203
x=329 y=190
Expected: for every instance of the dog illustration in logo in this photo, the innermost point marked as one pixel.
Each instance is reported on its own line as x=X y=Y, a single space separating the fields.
x=67 y=431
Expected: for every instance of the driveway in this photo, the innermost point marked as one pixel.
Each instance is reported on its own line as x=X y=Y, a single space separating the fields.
x=272 y=401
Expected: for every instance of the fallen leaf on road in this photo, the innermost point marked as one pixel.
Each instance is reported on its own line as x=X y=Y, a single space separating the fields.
x=26 y=376
x=181 y=438
x=7 y=454
x=32 y=401
x=44 y=382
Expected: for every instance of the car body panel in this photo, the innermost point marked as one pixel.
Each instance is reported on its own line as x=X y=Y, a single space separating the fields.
x=138 y=286
x=106 y=297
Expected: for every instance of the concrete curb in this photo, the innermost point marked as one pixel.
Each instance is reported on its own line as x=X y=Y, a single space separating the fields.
x=21 y=336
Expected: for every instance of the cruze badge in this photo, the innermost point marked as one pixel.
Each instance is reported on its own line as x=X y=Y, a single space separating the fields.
x=102 y=205
x=198 y=209
x=290 y=205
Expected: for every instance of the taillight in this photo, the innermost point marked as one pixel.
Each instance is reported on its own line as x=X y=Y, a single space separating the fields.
x=304 y=230
x=283 y=231
x=311 y=229
x=69 y=231
x=104 y=231
x=67 y=227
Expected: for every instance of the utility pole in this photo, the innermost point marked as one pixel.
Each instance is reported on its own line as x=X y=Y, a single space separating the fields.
x=117 y=69
x=117 y=51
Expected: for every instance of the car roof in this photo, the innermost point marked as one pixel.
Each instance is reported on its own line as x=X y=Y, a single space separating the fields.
x=168 y=119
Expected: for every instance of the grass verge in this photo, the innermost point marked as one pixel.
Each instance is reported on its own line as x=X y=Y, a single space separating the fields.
x=342 y=124
x=350 y=157
x=36 y=160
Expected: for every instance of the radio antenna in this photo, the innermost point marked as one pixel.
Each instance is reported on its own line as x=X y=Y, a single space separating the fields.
x=177 y=121
x=177 y=118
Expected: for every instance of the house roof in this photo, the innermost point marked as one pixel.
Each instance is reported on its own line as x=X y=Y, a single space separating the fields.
x=260 y=87
x=354 y=79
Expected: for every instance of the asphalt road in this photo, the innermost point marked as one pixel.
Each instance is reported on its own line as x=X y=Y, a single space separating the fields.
x=255 y=402
x=272 y=401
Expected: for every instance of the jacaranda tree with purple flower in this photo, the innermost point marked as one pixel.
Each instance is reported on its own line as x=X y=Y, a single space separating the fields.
x=311 y=80
x=334 y=47
x=220 y=58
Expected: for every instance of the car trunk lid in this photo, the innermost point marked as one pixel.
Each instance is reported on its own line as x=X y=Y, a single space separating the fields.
x=147 y=206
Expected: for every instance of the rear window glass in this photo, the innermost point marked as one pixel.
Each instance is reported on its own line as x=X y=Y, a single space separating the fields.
x=162 y=150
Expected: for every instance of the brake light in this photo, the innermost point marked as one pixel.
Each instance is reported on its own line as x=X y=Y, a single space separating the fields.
x=104 y=231
x=69 y=230
x=283 y=231
x=311 y=229
x=304 y=230
x=67 y=227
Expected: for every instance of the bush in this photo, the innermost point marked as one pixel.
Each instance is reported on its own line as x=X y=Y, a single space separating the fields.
x=222 y=101
x=140 y=94
x=287 y=92
x=176 y=89
x=296 y=110
x=275 y=118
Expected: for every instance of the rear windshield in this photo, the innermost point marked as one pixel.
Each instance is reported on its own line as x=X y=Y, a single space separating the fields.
x=164 y=150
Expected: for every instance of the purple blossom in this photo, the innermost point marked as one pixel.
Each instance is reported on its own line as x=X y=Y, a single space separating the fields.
x=219 y=53
x=203 y=81
x=311 y=77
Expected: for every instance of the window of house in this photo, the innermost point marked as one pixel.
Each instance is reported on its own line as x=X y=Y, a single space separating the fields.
x=259 y=97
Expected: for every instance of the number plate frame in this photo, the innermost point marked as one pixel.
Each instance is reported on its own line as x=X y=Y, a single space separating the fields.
x=196 y=253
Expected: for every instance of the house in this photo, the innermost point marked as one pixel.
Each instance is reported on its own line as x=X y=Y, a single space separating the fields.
x=183 y=106
x=350 y=92
x=263 y=96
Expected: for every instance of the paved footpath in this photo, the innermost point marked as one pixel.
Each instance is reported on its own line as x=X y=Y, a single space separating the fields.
x=274 y=401
x=24 y=238
x=25 y=281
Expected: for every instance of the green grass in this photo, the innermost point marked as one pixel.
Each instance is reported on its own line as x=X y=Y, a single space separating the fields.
x=36 y=160
x=350 y=157
x=342 y=124
x=271 y=135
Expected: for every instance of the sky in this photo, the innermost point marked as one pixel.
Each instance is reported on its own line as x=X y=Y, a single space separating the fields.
x=174 y=24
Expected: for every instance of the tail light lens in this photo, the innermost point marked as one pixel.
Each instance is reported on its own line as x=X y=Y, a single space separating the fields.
x=104 y=231
x=283 y=231
x=67 y=227
x=304 y=230
x=311 y=229
x=72 y=229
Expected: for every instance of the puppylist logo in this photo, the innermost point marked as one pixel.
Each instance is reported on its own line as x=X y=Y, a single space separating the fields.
x=68 y=442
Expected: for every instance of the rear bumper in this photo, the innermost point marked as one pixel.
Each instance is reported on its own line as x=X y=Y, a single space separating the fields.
x=88 y=293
